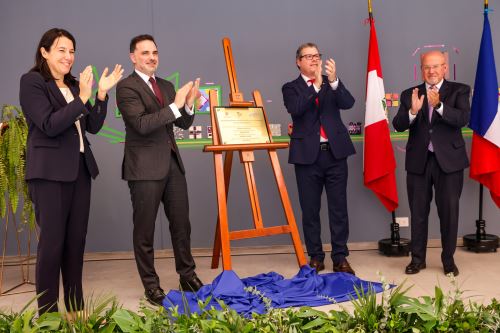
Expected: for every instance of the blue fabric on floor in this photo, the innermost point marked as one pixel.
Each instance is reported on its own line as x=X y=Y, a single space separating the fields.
x=307 y=288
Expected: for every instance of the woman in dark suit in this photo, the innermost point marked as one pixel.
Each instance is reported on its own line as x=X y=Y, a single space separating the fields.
x=59 y=162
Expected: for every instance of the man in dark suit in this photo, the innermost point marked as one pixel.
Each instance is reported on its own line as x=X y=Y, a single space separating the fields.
x=319 y=147
x=153 y=166
x=435 y=112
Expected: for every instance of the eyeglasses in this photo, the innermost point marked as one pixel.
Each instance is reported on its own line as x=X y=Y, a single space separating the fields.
x=433 y=67
x=316 y=56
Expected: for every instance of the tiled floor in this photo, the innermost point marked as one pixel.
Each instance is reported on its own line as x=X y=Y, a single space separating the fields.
x=479 y=275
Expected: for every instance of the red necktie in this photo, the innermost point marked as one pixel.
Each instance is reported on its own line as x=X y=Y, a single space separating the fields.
x=322 y=132
x=156 y=90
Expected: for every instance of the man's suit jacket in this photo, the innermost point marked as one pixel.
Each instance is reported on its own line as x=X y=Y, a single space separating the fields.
x=445 y=131
x=53 y=146
x=300 y=103
x=148 y=128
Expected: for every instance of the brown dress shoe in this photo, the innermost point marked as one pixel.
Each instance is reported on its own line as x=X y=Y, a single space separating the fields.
x=317 y=265
x=343 y=267
x=414 y=268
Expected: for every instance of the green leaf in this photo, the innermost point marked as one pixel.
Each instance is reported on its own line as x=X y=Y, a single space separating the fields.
x=49 y=321
x=12 y=164
x=315 y=323
x=126 y=321
x=108 y=328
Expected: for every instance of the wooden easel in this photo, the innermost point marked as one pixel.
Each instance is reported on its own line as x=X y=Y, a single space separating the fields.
x=223 y=173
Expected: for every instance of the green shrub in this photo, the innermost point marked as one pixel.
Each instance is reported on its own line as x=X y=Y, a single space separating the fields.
x=394 y=312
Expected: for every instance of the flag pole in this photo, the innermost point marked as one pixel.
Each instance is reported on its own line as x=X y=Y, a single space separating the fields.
x=481 y=241
x=394 y=246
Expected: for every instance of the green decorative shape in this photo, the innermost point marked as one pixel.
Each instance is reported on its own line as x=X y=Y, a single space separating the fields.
x=174 y=78
x=117 y=136
x=96 y=75
x=114 y=136
x=395 y=136
x=96 y=79
x=114 y=131
x=118 y=114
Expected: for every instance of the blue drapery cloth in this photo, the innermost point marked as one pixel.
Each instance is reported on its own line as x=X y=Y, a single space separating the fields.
x=307 y=288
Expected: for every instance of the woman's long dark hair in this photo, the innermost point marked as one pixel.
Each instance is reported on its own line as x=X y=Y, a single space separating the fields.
x=46 y=42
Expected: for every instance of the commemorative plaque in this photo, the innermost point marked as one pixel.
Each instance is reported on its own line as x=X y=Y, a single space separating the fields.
x=242 y=125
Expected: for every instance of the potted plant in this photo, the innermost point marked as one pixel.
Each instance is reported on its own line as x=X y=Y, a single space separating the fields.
x=13 y=188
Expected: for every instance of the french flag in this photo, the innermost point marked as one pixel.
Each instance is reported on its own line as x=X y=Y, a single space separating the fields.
x=485 y=119
x=379 y=164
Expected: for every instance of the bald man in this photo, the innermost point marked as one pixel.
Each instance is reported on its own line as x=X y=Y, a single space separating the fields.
x=435 y=113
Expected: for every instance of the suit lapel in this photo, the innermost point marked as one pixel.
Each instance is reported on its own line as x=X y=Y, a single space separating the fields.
x=56 y=92
x=74 y=91
x=145 y=87
x=301 y=84
x=323 y=90
x=444 y=91
x=425 y=105
x=83 y=125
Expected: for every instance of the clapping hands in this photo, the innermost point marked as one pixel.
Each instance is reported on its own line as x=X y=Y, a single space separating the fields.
x=187 y=94
x=193 y=94
x=416 y=102
x=433 y=96
x=318 y=75
x=331 y=70
x=86 y=80
x=108 y=81
x=105 y=83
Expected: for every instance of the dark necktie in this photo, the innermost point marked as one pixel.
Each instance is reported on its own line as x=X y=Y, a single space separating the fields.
x=321 y=129
x=430 y=147
x=159 y=97
x=156 y=90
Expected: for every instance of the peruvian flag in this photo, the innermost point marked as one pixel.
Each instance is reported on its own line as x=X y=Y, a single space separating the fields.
x=378 y=164
x=485 y=119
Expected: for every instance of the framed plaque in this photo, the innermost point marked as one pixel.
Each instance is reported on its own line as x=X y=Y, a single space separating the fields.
x=241 y=125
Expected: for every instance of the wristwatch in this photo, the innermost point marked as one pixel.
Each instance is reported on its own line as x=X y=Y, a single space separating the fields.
x=438 y=105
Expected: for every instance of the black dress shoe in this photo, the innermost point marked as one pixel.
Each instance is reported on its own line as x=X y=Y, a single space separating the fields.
x=451 y=270
x=343 y=267
x=155 y=296
x=414 y=268
x=193 y=284
x=317 y=265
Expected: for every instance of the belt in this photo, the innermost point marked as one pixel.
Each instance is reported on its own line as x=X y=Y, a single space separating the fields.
x=324 y=146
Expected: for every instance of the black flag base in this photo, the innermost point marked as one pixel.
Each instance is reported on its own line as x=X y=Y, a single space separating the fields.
x=481 y=241
x=394 y=246
x=390 y=249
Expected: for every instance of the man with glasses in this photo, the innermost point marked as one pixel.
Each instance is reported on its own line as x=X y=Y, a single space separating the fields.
x=319 y=147
x=435 y=113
